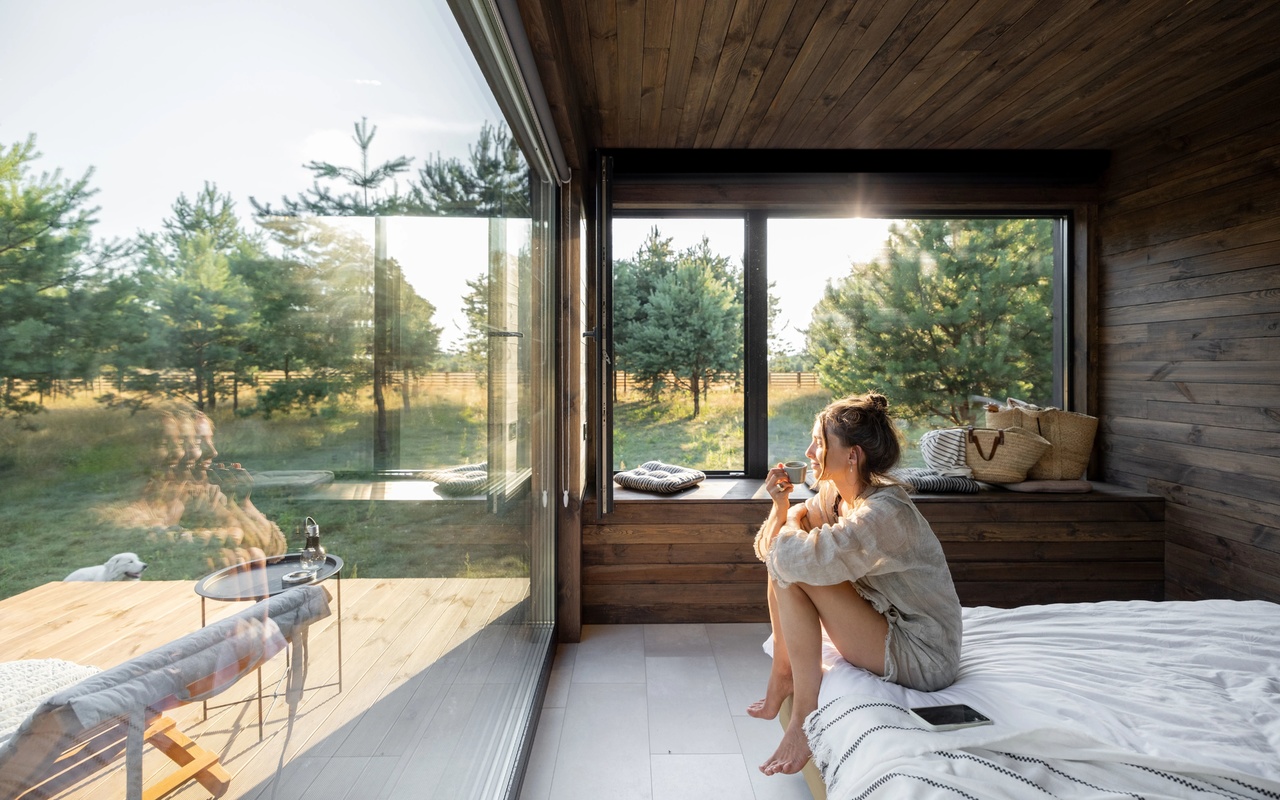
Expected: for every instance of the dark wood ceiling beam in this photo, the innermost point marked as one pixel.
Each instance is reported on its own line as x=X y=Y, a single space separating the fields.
x=902 y=74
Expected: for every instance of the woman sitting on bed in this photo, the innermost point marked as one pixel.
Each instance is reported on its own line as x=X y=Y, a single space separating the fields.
x=859 y=561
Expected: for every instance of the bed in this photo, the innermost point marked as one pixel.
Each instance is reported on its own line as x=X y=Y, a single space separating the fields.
x=1130 y=699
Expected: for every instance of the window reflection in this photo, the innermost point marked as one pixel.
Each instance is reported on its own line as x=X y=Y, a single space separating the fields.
x=197 y=366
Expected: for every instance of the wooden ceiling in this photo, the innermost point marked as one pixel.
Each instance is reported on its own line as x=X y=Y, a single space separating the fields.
x=973 y=74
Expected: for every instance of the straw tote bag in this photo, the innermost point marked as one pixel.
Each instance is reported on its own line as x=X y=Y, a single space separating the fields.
x=1070 y=437
x=1003 y=455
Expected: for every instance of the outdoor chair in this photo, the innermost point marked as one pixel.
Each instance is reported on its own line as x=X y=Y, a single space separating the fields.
x=79 y=730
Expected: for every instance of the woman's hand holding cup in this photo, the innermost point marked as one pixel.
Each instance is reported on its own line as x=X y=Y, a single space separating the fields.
x=779 y=486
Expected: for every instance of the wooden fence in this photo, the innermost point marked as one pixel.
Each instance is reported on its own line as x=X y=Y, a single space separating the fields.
x=106 y=383
x=625 y=382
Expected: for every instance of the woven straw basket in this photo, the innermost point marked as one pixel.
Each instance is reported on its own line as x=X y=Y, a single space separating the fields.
x=1070 y=437
x=1003 y=456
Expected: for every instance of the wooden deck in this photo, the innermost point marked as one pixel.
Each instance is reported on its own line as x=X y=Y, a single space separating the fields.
x=432 y=669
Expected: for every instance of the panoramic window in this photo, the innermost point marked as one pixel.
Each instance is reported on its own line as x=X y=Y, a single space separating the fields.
x=306 y=291
x=941 y=314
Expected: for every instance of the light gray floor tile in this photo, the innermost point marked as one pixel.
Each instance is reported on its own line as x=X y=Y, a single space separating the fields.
x=758 y=739
x=542 y=757
x=561 y=675
x=743 y=664
x=740 y=694
x=604 y=744
x=610 y=654
x=687 y=708
x=663 y=731
x=700 y=777
x=676 y=640
x=746 y=635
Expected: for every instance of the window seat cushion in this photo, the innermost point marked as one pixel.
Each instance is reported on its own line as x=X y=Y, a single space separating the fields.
x=655 y=476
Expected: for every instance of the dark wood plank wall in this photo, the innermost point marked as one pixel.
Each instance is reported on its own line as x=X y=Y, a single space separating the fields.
x=1189 y=330
x=691 y=560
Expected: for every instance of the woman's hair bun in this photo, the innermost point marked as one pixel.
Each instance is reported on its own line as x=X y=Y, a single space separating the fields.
x=878 y=400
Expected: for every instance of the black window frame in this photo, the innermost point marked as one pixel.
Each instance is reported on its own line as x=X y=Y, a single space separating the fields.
x=1039 y=184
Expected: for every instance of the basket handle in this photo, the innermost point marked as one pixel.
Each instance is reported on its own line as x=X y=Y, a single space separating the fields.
x=995 y=444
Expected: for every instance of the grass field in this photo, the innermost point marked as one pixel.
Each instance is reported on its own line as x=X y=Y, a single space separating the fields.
x=665 y=430
x=71 y=480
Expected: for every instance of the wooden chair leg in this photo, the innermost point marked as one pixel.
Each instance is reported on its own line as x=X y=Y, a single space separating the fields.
x=193 y=761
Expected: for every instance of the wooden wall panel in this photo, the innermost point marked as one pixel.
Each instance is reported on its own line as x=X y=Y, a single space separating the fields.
x=1189 y=335
x=682 y=559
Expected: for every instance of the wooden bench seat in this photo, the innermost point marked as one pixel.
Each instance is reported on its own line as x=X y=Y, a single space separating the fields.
x=689 y=558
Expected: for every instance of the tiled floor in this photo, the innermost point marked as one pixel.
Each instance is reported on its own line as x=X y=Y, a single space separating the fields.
x=657 y=712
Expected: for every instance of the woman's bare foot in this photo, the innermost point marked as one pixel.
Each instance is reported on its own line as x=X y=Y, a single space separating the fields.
x=792 y=754
x=779 y=689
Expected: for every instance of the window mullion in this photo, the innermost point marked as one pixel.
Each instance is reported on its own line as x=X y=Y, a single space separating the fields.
x=756 y=343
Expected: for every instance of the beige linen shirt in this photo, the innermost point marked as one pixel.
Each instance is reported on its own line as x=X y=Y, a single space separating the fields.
x=892 y=557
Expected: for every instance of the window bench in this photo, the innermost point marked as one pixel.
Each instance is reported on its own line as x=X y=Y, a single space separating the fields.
x=689 y=558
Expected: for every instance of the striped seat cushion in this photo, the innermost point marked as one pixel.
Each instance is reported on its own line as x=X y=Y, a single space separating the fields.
x=931 y=481
x=655 y=476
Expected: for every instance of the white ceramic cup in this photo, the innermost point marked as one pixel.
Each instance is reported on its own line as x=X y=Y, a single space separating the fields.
x=795 y=471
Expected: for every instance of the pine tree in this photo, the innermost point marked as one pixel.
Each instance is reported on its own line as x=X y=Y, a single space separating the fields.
x=494 y=182
x=960 y=309
x=56 y=293
x=362 y=192
x=203 y=310
x=677 y=317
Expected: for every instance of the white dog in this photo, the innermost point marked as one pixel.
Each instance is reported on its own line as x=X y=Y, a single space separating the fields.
x=120 y=567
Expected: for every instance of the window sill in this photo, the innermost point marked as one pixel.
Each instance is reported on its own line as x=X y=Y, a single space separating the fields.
x=752 y=489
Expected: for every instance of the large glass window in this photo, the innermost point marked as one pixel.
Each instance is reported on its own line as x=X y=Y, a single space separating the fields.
x=942 y=314
x=265 y=263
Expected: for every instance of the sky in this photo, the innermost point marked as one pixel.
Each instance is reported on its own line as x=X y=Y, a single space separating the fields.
x=803 y=255
x=158 y=97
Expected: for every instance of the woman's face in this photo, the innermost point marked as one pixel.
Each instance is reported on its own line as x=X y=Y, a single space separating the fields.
x=204 y=440
x=826 y=454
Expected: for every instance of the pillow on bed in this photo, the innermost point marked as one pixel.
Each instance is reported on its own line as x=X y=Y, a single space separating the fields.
x=655 y=476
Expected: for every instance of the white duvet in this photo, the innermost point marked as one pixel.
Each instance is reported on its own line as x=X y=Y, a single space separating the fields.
x=1090 y=700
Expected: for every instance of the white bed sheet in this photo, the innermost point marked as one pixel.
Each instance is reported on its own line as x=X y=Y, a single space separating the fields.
x=1163 y=692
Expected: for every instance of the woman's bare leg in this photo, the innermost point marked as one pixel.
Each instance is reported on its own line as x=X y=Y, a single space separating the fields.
x=780 y=681
x=858 y=632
